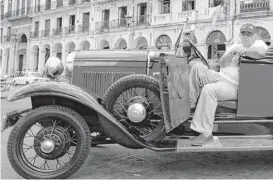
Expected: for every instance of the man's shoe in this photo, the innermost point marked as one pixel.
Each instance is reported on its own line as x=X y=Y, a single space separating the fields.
x=202 y=140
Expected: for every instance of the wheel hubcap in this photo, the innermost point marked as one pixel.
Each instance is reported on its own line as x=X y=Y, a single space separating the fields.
x=47 y=146
x=52 y=144
x=136 y=112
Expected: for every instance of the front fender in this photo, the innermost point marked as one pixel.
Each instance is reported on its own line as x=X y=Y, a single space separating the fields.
x=76 y=93
x=53 y=88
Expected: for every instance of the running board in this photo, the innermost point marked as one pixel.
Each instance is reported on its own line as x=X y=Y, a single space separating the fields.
x=223 y=143
x=241 y=121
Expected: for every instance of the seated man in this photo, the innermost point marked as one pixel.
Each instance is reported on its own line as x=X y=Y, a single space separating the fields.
x=211 y=86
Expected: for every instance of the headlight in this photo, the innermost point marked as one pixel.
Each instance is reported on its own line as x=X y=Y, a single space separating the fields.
x=153 y=55
x=53 y=67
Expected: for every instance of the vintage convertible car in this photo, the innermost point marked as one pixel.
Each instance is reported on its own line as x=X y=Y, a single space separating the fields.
x=133 y=108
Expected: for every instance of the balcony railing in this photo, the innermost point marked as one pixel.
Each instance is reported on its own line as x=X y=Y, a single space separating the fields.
x=258 y=5
x=187 y=14
x=70 y=29
x=31 y=10
x=143 y=20
x=161 y=19
x=83 y=28
x=122 y=22
x=34 y=34
x=59 y=4
x=57 y=31
x=47 y=6
x=45 y=33
x=105 y=26
x=72 y=2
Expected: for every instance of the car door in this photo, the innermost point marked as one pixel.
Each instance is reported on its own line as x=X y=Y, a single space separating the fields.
x=255 y=89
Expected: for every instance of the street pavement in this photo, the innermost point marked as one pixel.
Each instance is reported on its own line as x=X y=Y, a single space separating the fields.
x=117 y=162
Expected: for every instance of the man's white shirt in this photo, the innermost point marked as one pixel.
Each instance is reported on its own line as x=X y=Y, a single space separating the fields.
x=231 y=72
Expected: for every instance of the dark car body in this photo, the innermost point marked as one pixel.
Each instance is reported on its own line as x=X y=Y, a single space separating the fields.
x=98 y=70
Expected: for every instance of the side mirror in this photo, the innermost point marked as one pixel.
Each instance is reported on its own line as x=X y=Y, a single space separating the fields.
x=53 y=68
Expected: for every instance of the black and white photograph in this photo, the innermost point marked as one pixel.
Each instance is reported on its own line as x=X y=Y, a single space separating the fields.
x=136 y=89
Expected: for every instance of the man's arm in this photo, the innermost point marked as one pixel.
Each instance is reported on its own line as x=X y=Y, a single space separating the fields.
x=226 y=59
x=257 y=51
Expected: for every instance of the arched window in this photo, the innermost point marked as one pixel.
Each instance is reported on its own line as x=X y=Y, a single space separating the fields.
x=186 y=47
x=141 y=43
x=264 y=35
x=121 y=44
x=216 y=45
x=163 y=41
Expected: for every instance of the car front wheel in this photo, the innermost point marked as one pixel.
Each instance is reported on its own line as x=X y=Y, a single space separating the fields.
x=56 y=150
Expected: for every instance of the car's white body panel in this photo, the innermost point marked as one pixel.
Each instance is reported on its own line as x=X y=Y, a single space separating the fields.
x=29 y=78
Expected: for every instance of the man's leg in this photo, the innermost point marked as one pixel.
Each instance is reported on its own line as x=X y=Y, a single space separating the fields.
x=199 y=76
x=204 y=114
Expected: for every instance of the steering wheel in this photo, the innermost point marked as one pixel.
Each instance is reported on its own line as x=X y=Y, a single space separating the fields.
x=198 y=54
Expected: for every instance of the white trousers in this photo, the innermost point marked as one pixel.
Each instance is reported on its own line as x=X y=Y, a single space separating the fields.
x=208 y=87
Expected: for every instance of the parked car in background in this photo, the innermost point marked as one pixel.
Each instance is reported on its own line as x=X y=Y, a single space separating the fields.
x=29 y=78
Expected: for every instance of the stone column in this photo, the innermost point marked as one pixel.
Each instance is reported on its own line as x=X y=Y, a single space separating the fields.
x=237 y=4
x=41 y=64
x=77 y=21
x=28 y=56
x=13 y=58
x=64 y=56
x=31 y=60
x=14 y=5
x=9 y=61
x=6 y=4
x=51 y=50
x=20 y=7
x=4 y=61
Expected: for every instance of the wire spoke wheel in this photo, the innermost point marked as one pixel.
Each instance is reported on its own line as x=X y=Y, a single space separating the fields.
x=49 y=142
x=135 y=102
x=151 y=103
x=50 y=148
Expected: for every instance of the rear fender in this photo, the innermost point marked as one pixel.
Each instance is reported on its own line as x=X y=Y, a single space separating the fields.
x=69 y=91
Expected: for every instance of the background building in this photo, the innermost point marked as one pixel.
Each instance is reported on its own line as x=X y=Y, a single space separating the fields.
x=33 y=30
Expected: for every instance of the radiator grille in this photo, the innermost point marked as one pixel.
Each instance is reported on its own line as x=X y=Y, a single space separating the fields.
x=99 y=82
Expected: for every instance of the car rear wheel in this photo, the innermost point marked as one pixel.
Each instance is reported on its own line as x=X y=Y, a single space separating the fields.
x=135 y=102
x=49 y=152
